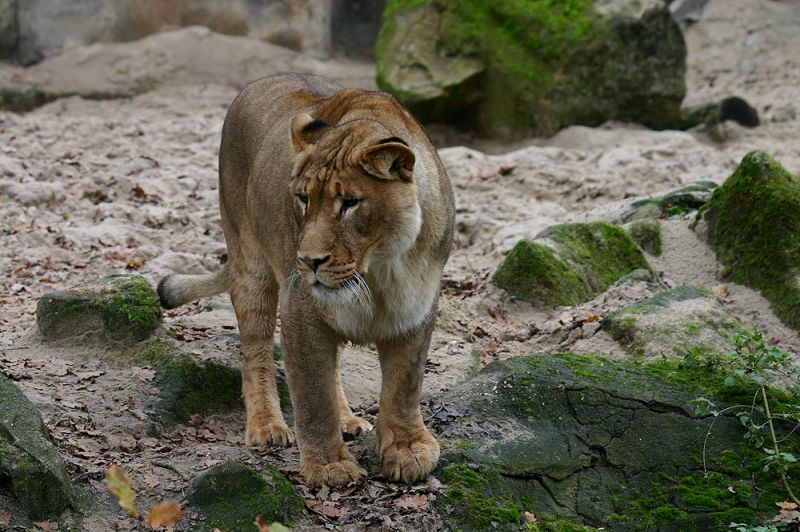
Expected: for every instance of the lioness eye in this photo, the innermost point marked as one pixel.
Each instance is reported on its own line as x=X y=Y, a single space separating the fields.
x=303 y=198
x=349 y=202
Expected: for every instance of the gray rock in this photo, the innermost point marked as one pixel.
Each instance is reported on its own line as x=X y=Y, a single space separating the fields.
x=569 y=264
x=519 y=69
x=646 y=233
x=667 y=325
x=121 y=308
x=672 y=204
x=605 y=443
x=231 y=495
x=31 y=469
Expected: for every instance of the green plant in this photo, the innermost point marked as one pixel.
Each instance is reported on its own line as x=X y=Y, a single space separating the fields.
x=756 y=363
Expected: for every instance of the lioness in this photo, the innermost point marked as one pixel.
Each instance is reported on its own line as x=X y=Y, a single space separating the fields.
x=335 y=208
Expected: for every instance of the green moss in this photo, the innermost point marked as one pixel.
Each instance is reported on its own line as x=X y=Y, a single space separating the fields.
x=569 y=264
x=753 y=224
x=550 y=523
x=473 y=506
x=21 y=101
x=187 y=387
x=673 y=204
x=118 y=308
x=647 y=233
x=231 y=495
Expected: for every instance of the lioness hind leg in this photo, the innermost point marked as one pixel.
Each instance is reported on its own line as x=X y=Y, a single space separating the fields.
x=351 y=424
x=408 y=450
x=254 y=293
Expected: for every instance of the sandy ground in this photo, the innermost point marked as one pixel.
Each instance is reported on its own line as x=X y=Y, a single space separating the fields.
x=91 y=188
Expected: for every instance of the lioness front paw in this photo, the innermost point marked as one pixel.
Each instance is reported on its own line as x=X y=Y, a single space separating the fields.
x=268 y=433
x=333 y=474
x=408 y=457
x=355 y=426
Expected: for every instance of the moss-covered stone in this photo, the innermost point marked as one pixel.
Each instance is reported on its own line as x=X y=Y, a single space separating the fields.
x=603 y=443
x=569 y=264
x=753 y=223
x=31 y=469
x=647 y=233
x=188 y=386
x=518 y=68
x=672 y=204
x=672 y=322
x=231 y=495
x=122 y=308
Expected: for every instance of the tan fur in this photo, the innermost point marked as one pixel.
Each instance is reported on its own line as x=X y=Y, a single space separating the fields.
x=337 y=211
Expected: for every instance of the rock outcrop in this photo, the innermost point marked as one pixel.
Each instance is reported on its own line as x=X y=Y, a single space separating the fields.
x=511 y=69
x=604 y=443
x=753 y=224
x=569 y=264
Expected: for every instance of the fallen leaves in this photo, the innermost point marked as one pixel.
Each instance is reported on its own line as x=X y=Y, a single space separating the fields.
x=412 y=502
x=120 y=485
x=788 y=514
x=165 y=513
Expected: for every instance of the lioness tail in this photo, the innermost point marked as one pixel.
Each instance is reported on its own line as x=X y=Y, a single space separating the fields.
x=178 y=289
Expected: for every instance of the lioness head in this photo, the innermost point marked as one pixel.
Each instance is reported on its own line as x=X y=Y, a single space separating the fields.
x=354 y=202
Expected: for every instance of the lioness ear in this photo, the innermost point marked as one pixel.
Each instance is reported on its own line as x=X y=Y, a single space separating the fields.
x=391 y=160
x=305 y=130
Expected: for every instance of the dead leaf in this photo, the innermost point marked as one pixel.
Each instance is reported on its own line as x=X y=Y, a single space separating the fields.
x=133 y=264
x=144 y=374
x=5 y=518
x=120 y=485
x=47 y=526
x=274 y=527
x=151 y=480
x=165 y=513
x=786 y=505
x=412 y=502
x=325 y=508
x=530 y=518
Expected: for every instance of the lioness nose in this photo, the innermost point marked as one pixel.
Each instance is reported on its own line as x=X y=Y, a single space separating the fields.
x=315 y=262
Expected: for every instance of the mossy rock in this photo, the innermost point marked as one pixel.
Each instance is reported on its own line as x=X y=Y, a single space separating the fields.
x=601 y=443
x=518 y=68
x=188 y=386
x=647 y=233
x=676 y=203
x=569 y=264
x=119 y=308
x=31 y=470
x=231 y=495
x=753 y=224
x=672 y=322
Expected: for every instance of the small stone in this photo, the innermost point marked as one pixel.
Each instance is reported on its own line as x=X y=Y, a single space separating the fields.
x=647 y=233
x=121 y=308
x=676 y=203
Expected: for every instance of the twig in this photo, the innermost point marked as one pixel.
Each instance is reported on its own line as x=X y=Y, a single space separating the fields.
x=775 y=446
x=170 y=467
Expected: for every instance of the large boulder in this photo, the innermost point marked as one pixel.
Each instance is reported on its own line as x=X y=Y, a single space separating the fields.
x=231 y=495
x=31 y=470
x=603 y=443
x=672 y=322
x=121 y=308
x=513 y=69
x=753 y=224
x=569 y=264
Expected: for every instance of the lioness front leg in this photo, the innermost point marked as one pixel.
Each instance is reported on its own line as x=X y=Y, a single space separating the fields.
x=409 y=452
x=310 y=350
x=254 y=293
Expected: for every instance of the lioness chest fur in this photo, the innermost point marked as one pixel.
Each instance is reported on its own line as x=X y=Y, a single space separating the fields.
x=336 y=211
